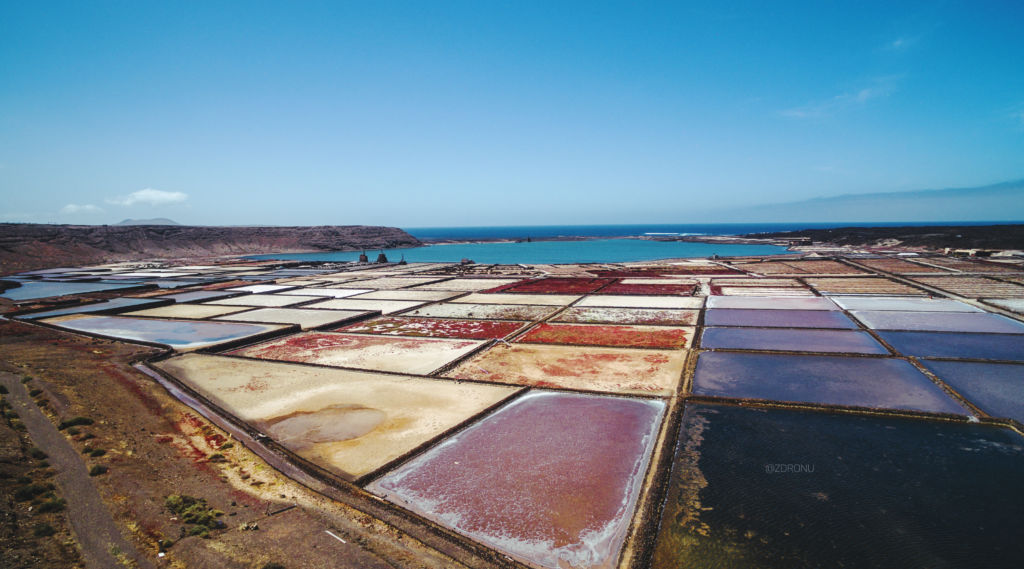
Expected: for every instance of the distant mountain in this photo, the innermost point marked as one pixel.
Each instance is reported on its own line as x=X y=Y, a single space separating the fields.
x=27 y=246
x=154 y=221
x=997 y=202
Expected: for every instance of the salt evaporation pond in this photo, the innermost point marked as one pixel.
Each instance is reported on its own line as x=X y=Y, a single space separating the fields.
x=791 y=339
x=828 y=380
x=777 y=318
x=551 y=478
x=1008 y=347
x=30 y=290
x=436 y=327
x=178 y=334
x=349 y=422
x=606 y=315
x=997 y=389
x=112 y=305
x=755 y=488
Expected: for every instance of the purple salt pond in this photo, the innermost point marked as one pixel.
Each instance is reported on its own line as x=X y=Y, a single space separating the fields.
x=1008 y=347
x=772 y=302
x=789 y=340
x=31 y=290
x=997 y=389
x=777 y=318
x=940 y=321
x=178 y=334
x=828 y=380
x=199 y=295
x=551 y=478
x=112 y=305
x=902 y=303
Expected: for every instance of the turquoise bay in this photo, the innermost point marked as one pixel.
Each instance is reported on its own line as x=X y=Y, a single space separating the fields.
x=588 y=251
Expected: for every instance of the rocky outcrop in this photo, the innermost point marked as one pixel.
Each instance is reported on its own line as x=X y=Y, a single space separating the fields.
x=932 y=237
x=27 y=246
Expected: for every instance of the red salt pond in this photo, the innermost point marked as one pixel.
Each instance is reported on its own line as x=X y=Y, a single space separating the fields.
x=668 y=270
x=620 y=288
x=558 y=285
x=612 y=336
x=551 y=478
x=436 y=327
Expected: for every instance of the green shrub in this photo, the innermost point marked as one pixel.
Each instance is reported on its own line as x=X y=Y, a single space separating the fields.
x=201 y=531
x=74 y=422
x=73 y=431
x=193 y=510
x=96 y=453
x=53 y=505
x=43 y=530
x=226 y=446
x=34 y=392
x=97 y=469
x=29 y=491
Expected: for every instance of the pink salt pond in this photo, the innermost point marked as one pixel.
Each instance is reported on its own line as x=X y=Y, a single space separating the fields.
x=605 y=335
x=551 y=478
x=436 y=327
x=362 y=351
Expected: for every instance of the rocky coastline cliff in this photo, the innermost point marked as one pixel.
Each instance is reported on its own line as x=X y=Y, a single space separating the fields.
x=29 y=246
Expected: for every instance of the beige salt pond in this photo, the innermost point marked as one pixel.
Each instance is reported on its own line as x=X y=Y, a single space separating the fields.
x=350 y=422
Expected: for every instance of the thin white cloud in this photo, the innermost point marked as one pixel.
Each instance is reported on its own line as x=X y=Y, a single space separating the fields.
x=72 y=209
x=901 y=43
x=149 y=196
x=19 y=216
x=1017 y=116
x=880 y=88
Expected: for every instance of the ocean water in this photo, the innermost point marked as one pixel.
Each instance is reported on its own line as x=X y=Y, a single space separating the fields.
x=590 y=251
x=610 y=246
x=630 y=230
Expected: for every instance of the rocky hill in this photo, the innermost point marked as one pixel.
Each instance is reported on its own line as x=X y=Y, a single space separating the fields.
x=1009 y=236
x=28 y=246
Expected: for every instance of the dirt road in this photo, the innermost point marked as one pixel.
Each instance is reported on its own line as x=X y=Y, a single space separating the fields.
x=102 y=545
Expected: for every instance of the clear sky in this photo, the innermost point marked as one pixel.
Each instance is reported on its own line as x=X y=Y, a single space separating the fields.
x=439 y=113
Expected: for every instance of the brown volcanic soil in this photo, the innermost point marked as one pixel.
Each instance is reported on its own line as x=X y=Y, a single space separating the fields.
x=28 y=246
x=932 y=237
x=156 y=446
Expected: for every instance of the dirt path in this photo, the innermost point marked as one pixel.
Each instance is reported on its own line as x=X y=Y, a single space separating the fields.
x=94 y=528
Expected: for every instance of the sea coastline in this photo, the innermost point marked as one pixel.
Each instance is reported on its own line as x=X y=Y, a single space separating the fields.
x=934 y=235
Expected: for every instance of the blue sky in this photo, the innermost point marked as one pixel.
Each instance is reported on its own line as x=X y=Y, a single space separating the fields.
x=486 y=113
